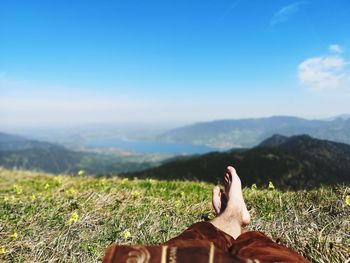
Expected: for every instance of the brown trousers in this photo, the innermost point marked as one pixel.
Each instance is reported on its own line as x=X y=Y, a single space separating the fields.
x=203 y=242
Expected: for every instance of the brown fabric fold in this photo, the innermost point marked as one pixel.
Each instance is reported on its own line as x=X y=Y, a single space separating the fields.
x=203 y=242
x=202 y=233
x=168 y=254
x=257 y=245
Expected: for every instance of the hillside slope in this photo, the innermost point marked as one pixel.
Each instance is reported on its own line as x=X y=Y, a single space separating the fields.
x=250 y=132
x=22 y=153
x=47 y=218
x=296 y=162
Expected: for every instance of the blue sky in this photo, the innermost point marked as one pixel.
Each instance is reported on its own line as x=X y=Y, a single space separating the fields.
x=68 y=62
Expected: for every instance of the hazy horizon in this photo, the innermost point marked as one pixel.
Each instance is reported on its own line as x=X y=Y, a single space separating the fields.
x=142 y=125
x=175 y=63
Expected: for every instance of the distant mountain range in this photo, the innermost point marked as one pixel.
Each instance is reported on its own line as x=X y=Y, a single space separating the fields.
x=244 y=133
x=295 y=162
x=21 y=153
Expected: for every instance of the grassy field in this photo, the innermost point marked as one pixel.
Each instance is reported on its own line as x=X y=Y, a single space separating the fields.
x=47 y=218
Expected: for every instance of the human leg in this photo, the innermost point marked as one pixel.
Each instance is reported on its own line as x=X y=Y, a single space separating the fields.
x=232 y=214
x=231 y=218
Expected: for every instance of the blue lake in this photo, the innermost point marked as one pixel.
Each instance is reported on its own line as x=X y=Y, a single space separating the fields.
x=151 y=147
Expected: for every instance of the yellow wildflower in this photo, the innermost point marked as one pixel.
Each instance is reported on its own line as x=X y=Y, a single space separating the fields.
x=46 y=186
x=33 y=197
x=81 y=173
x=270 y=216
x=125 y=180
x=103 y=182
x=126 y=234
x=2 y=250
x=135 y=194
x=14 y=236
x=6 y=198
x=254 y=187
x=72 y=191
x=73 y=218
x=177 y=203
x=271 y=186
x=347 y=199
x=18 y=189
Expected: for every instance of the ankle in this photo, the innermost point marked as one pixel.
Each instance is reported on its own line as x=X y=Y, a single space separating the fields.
x=228 y=224
x=232 y=214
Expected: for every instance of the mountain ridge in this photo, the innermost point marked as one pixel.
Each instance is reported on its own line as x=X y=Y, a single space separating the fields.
x=250 y=132
x=17 y=152
x=298 y=162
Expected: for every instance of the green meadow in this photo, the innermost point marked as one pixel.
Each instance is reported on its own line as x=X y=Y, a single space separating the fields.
x=46 y=218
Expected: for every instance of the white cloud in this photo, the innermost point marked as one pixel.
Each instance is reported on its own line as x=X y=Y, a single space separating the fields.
x=335 y=48
x=285 y=13
x=328 y=72
x=324 y=73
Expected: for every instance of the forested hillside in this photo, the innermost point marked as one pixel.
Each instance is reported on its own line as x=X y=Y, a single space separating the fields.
x=20 y=153
x=296 y=162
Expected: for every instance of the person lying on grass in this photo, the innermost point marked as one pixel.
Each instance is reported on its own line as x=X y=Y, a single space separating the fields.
x=219 y=240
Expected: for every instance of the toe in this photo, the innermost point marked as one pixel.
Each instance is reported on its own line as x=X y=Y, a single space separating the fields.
x=245 y=217
x=230 y=170
x=216 y=200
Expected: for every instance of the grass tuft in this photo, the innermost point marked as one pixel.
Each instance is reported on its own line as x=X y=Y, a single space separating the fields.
x=46 y=218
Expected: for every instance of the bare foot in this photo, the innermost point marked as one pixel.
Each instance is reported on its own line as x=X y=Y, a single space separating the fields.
x=219 y=200
x=233 y=191
x=233 y=215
